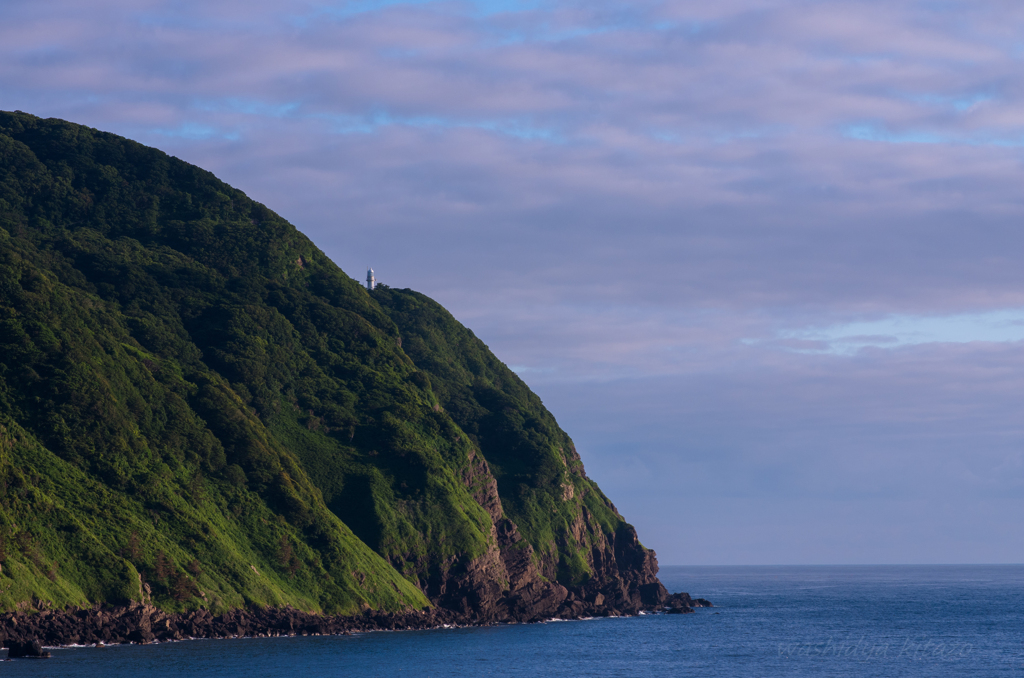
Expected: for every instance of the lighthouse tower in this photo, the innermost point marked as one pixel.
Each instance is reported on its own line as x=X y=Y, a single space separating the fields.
x=370 y=281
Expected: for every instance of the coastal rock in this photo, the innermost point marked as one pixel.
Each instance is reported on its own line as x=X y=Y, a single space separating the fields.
x=141 y=636
x=30 y=648
x=682 y=602
x=535 y=601
x=654 y=593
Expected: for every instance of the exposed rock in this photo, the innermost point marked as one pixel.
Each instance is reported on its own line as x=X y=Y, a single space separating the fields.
x=516 y=554
x=24 y=633
x=28 y=648
x=679 y=603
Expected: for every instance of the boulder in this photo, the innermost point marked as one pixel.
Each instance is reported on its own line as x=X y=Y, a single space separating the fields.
x=29 y=648
x=653 y=594
x=141 y=636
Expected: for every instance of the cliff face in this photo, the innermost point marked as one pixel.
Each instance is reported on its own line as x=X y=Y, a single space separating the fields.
x=553 y=524
x=199 y=410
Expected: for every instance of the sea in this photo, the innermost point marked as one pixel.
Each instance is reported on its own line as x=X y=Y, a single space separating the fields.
x=949 y=620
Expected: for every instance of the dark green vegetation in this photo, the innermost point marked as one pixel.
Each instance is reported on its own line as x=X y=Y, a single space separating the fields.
x=198 y=408
x=538 y=470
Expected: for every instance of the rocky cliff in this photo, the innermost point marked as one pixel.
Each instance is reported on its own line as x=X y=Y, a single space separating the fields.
x=199 y=411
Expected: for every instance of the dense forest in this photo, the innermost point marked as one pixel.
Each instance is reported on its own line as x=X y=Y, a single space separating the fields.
x=199 y=409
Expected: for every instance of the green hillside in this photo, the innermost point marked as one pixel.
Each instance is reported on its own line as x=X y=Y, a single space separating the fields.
x=198 y=408
x=540 y=476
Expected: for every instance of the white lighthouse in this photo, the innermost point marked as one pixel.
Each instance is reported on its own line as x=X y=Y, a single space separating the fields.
x=371 y=282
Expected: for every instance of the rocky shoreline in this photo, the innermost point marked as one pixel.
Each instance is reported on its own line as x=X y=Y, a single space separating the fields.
x=26 y=633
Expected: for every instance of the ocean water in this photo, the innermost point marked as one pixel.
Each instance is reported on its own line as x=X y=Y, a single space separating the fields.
x=768 y=621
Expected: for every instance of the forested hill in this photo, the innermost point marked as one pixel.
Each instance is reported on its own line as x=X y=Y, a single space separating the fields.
x=199 y=409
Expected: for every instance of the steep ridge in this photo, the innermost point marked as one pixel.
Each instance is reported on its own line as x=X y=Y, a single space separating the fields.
x=552 y=521
x=199 y=410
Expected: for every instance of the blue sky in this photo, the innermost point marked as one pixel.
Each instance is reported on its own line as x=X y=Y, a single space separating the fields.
x=762 y=260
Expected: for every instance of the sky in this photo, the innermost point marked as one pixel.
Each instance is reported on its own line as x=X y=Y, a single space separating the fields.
x=762 y=260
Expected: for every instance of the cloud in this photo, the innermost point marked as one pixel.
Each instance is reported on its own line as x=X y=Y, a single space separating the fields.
x=761 y=247
x=1006 y=325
